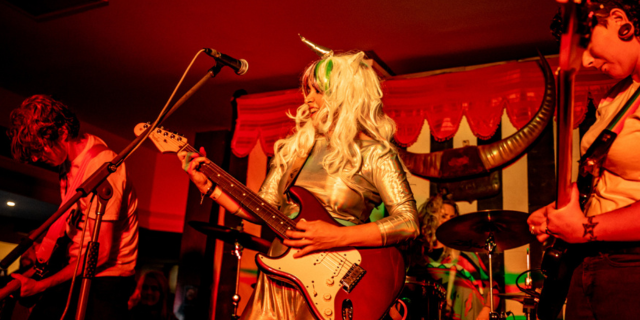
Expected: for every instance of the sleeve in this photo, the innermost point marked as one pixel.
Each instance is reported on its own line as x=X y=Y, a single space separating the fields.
x=391 y=182
x=269 y=189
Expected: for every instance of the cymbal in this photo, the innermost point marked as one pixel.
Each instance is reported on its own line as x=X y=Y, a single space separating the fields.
x=229 y=235
x=469 y=232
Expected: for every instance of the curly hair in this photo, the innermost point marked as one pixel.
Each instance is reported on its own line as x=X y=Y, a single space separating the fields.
x=352 y=104
x=429 y=217
x=37 y=123
x=601 y=10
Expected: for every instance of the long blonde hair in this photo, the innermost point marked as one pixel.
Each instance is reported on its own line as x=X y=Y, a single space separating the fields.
x=352 y=104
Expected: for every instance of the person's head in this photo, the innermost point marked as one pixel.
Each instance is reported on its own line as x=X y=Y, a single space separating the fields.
x=39 y=129
x=614 y=48
x=151 y=292
x=433 y=213
x=348 y=91
x=343 y=98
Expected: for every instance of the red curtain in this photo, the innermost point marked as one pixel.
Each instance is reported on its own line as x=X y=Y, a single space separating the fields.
x=480 y=95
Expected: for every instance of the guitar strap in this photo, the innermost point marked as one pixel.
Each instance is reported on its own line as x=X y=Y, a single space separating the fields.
x=293 y=170
x=58 y=228
x=592 y=161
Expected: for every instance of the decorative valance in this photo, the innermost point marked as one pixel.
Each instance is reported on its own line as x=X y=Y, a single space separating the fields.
x=480 y=95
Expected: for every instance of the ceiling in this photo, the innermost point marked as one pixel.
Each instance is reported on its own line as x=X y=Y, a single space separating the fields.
x=116 y=65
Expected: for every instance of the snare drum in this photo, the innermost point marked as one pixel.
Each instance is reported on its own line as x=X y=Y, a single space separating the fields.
x=425 y=299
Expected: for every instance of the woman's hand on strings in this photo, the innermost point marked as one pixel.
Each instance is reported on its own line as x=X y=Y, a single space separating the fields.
x=191 y=163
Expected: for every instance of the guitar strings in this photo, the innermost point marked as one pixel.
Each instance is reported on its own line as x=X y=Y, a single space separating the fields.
x=251 y=198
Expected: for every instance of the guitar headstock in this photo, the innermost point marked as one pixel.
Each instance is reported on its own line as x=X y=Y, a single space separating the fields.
x=575 y=36
x=164 y=140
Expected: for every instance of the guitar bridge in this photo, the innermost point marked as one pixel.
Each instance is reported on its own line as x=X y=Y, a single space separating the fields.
x=352 y=277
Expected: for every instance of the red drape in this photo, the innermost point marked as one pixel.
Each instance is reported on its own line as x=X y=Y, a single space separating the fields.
x=480 y=95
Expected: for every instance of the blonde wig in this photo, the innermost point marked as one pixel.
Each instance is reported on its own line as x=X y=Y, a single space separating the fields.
x=352 y=104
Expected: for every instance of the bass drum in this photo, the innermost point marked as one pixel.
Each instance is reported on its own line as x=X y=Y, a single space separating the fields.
x=425 y=299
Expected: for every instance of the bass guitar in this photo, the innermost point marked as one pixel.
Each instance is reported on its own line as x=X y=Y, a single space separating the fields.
x=343 y=283
x=558 y=262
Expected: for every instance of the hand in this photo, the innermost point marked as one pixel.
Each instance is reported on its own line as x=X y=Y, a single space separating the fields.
x=191 y=162
x=314 y=236
x=538 y=222
x=567 y=223
x=28 y=286
x=484 y=314
x=564 y=223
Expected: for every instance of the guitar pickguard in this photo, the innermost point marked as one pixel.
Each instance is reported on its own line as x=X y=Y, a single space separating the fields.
x=320 y=276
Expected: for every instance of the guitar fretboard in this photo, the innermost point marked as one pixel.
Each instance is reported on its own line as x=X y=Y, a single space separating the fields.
x=249 y=200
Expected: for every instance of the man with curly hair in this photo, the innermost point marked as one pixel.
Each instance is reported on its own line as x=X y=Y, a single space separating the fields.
x=45 y=130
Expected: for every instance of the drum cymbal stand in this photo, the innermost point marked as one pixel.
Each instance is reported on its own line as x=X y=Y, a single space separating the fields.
x=237 y=251
x=490 y=246
x=530 y=302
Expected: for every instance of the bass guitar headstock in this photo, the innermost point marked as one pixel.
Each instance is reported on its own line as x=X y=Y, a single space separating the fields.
x=576 y=23
x=164 y=140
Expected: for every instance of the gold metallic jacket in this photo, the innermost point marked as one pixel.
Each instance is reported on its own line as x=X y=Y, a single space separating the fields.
x=381 y=179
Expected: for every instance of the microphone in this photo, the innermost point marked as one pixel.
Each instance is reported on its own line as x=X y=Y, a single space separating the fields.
x=240 y=66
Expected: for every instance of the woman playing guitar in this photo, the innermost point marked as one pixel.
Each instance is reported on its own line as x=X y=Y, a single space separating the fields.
x=604 y=284
x=341 y=153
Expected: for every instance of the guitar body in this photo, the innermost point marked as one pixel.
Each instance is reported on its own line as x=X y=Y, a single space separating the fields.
x=373 y=284
x=558 y=264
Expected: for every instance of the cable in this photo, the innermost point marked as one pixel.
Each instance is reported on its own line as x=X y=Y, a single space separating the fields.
x=160 y=116
x=155 y=123
x=525 y=290
x=75 y=270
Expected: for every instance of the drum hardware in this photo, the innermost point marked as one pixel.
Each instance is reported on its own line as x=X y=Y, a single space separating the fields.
x=423 y=299
x=529 y=302
x=240 y=240
x=488 y=231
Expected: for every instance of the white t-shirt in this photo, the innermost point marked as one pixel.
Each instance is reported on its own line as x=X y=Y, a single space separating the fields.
x=120 y=211
x=619 y=184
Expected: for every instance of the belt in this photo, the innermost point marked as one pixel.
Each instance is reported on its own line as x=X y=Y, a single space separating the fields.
x=609 y=247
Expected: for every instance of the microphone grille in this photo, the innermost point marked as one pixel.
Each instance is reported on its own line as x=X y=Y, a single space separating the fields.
x=244 y=66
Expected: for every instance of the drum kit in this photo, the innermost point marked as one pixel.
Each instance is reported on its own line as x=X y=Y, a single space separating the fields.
x=488 y=231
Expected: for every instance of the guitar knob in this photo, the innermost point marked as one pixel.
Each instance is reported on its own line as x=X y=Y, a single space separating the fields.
x=328 y=311
x=330 y=281
x=327 y=296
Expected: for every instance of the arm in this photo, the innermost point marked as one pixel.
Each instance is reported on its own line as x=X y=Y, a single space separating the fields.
x=391 y=182
x=571 y=225
x=30 y=286
x=107 y=236
x=191 y=163
x=389 y=178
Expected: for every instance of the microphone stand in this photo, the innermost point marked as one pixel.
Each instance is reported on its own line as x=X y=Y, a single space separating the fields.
x=86 y=283
x=93 y=249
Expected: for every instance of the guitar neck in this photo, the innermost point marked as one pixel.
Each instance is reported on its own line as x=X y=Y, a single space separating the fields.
x=249 y=200
x=565 y=136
